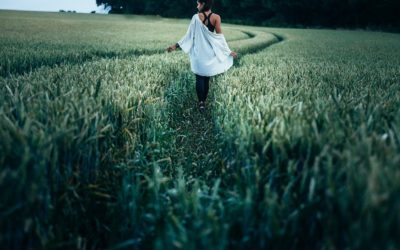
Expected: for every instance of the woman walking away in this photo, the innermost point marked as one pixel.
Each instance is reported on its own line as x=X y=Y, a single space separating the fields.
x=208 y=51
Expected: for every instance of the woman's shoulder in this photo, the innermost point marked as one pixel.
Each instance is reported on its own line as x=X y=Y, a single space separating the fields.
x=216 y=15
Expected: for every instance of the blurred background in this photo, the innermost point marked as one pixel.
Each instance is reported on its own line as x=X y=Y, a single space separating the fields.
x=360 y=14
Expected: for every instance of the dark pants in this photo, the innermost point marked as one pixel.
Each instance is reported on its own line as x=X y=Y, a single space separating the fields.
x=202 y=85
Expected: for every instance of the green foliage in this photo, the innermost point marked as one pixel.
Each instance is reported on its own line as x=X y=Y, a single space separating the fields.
x=326 y=13
x=32 y=41
x=299 y=147
x=314 y=121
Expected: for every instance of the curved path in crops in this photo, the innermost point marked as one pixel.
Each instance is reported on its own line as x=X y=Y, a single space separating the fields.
x=251 y=40
x=198 y=149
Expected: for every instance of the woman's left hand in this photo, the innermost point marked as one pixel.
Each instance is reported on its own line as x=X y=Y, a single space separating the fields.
x=171 y=48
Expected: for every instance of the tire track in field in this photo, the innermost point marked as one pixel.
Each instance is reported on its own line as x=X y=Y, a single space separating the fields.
x=197 y=147
x=7 y=71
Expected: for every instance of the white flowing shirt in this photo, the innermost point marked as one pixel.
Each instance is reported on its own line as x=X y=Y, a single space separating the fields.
x=208 y=51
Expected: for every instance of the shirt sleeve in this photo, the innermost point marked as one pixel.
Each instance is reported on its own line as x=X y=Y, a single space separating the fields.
x=186 y=41
x=220 y=46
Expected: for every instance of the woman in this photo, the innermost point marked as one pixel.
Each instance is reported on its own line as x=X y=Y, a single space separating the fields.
x=208 y=51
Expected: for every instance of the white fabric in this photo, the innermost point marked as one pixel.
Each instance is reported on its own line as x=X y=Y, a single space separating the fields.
x=208 y=51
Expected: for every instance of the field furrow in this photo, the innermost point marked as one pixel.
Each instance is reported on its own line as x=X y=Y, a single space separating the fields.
x=34 y=42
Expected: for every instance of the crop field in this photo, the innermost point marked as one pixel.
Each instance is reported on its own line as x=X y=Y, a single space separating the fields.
x=102 y=145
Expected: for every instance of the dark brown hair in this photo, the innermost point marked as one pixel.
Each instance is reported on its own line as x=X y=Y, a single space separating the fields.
x=207 y=4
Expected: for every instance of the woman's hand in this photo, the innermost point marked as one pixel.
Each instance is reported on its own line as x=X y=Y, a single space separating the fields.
x=171 y=48
x=233 y=54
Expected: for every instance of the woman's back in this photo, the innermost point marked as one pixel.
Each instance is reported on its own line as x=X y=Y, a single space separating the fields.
x=209 y=20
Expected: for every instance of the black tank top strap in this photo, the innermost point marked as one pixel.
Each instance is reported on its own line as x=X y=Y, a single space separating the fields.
x=206 y=17
x=209 y=25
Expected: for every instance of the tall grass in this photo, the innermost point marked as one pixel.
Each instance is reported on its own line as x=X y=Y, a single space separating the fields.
x=30 y=40
x=311 y=126
x=299 y=147
x=64 y=131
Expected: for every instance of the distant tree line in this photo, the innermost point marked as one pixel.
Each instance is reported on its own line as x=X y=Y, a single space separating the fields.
x=309 y=13
x=69 y=11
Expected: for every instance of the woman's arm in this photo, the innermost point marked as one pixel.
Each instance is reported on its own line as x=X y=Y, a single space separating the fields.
x=186 y=41
x=218 y=25
x=219 y=31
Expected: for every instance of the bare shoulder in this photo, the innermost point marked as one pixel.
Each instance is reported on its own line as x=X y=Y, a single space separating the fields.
x=215 y=19
x=216 y=16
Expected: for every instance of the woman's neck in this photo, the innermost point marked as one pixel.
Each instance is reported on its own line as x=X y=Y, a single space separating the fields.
x=208 y=11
